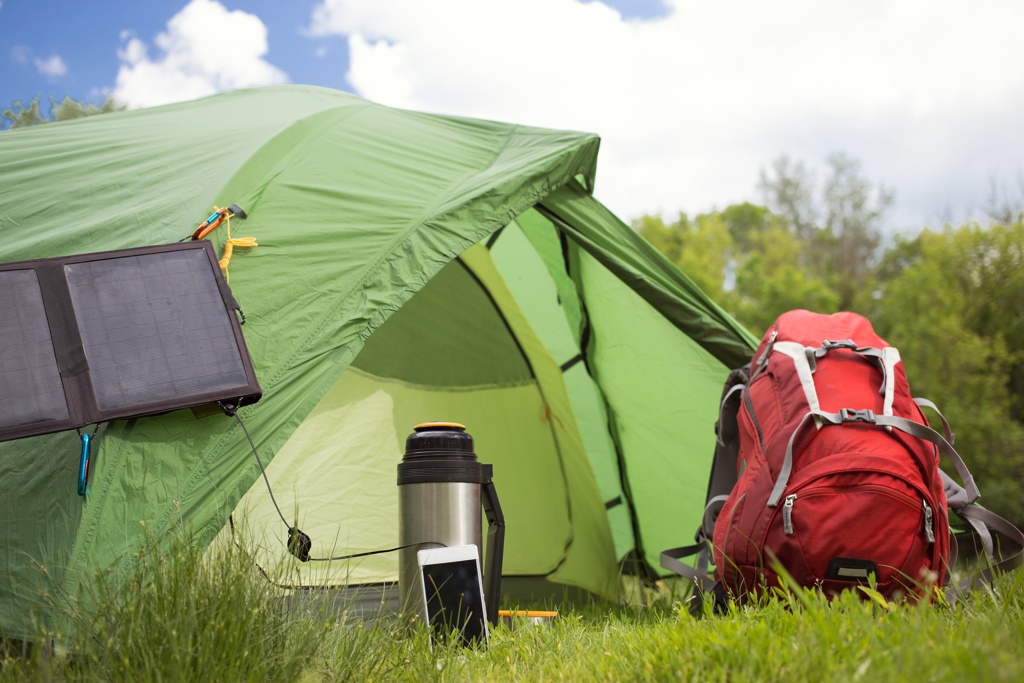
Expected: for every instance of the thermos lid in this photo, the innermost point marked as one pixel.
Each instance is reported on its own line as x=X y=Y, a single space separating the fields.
x=423 y=426
x=432 y=439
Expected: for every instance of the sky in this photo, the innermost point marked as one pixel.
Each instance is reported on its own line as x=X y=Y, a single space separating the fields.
x=691 y=99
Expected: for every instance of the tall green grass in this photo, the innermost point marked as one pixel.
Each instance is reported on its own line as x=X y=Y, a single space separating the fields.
x=192 y=615
x=181 y=617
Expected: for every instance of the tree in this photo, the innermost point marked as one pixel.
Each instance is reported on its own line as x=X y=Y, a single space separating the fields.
x=19 y=114
x=744 y=257
x=853 y=213
x=771 y=281
x=701 y=248
x=788 y=190
x=949 y=301
x=1004 y=205
x=838 y=222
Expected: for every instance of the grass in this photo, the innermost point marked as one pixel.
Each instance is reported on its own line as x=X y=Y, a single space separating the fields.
x=181 y=617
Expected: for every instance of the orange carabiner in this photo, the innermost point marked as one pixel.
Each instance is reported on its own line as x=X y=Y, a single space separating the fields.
x=215 y=219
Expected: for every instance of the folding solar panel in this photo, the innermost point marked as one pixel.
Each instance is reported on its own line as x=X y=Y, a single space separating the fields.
x=89 y=338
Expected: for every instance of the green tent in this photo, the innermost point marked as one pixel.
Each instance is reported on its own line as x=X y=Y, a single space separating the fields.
x=410 y=267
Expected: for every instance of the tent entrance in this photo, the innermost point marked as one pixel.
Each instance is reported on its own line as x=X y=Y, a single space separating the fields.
x=459 y=350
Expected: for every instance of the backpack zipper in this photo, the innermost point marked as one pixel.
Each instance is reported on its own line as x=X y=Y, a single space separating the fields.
x=787 y=518
x=787 y=514
x=762 y=360
x=929 y=529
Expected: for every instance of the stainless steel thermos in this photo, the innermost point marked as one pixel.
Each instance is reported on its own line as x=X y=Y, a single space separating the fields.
x=441 y=489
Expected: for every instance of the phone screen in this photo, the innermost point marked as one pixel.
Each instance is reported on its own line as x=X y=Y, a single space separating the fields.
x=455 y=600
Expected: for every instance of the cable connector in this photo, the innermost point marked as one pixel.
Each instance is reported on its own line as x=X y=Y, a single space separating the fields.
x=299 y=543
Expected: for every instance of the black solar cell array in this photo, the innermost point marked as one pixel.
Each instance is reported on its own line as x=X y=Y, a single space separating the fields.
x=155 y=324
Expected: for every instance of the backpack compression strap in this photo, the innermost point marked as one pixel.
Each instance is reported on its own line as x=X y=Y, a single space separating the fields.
x=699 y=575
x=1003 y=554
x=1010 y=553
x=847 y=415
x=671 y=560
x=1000 y=559
x=805 y=362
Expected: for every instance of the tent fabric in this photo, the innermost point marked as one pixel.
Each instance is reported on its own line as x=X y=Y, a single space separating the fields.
x=582 y=360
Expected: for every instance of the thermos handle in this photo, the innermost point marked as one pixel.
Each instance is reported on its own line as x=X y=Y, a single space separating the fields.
x=495 y=542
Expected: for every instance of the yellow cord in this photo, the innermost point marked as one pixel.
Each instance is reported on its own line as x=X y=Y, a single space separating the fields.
x=230 y=245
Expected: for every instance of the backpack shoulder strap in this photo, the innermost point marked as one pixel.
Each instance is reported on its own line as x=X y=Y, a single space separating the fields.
x=721 y=482
x=727 y=433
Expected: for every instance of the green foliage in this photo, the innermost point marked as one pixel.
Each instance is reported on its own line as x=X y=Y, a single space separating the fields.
x=770 y=280
x=838 y=223
x=746 y=258
x=701 y=248
x=950 y=301
x=20 y=114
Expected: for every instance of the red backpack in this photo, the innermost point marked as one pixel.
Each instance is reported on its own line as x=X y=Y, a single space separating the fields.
x=825 y=465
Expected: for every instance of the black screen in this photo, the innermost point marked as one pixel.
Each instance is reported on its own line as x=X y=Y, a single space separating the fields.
x=455 y=600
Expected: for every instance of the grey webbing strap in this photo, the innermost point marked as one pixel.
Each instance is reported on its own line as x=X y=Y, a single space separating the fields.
x=910 y=427
x=981 y=529
x=887 y=358
x=714 y=506
x=736 y=388
x=761 y=362
x=787 y=464
x=890 y=357
x=1008 y=535
x=804 y=372
x=956 y=495
x=869 y=351
x=954 y=553
x=946 y=431
x=928 y=434
x=699 y=575
x=670 y=560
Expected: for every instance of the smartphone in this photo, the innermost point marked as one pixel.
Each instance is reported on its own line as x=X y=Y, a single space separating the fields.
x=453 y=593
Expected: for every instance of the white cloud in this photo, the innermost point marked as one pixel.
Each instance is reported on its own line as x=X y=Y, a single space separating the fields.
x=52 y=67
x=691 y=105
x=205 y=49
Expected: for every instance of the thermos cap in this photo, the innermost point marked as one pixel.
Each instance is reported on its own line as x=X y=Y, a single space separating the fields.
x=439 y=439
x=439 y=452
x=439 y=425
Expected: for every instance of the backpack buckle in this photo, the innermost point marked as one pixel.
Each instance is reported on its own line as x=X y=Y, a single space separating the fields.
x=831 y=345
x=850 y=415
